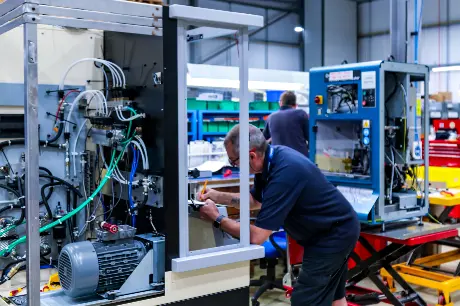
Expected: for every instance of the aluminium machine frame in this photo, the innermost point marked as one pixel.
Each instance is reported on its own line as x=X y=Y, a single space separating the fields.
x=144 y=19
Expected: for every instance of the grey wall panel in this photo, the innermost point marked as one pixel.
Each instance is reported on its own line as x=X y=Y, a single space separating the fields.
x=284 y=57
x=340 y=32
x=283 y=30
x=257 y=55
x=374 y=16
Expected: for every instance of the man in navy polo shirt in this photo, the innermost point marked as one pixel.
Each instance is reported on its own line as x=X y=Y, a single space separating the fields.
x=291 y=192
x=288 y=126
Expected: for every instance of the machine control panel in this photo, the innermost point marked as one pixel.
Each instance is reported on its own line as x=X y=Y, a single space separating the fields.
x=368 y=98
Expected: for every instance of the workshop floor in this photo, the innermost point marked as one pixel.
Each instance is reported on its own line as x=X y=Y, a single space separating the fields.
x=277 y=298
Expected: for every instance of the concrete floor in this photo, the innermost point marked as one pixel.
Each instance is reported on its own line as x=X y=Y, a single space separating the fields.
x=277 y=298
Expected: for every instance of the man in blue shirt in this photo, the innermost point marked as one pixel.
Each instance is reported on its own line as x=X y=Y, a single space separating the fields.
x=289 y=126
x=291 y=192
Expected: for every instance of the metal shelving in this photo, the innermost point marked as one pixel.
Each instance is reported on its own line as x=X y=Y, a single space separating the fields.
x=192 y=119
x=220 y=115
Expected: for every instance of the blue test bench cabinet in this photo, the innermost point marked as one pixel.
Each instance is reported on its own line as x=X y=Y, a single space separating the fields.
x=365 y=135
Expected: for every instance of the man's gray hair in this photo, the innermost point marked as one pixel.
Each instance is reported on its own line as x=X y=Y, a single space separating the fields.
x=257 y=140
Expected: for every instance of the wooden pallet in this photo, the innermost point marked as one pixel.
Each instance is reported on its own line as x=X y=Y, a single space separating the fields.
x=156 y=2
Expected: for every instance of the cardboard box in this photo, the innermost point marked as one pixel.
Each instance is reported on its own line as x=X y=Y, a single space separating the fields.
x=446 y=95
x=437 y=97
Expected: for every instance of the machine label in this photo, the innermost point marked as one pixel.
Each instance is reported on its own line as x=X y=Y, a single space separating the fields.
x=366 y=141
x=350 y=75
x=435 y=115
x=366 y=132
x=368 y=80
x=452 y=115
x=366 y=124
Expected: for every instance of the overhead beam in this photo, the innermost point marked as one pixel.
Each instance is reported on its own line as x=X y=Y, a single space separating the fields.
x=425 y=26
x=269 y=23
x=272 y=5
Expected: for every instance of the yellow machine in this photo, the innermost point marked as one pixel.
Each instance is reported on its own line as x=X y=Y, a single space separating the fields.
x=425 y=272
x=446 y=177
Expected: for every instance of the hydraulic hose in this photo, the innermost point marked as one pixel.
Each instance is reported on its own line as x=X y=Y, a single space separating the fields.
x=144 y=201
x=58 y=134
x=8 y=207
x=113 y=163
x=18 y=206
x=62 y=182
x=45 y=200
x=9 y=189
x=50 y=190
x=7 y=268
x=21 y=141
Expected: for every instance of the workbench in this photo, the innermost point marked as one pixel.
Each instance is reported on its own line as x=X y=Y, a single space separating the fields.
x=401 y=240
x=229 y=183
x=448 y=200
x=217 y=182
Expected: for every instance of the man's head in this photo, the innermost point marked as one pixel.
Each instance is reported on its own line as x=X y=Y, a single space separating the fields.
x=288 y=98
x=257 y=147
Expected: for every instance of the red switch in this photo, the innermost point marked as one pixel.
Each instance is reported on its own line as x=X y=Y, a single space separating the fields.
x=109 y=227
x=319 y=100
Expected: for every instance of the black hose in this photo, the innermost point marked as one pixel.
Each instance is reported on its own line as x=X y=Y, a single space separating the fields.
x=17 y=206
x=8 y=238
x=68 y=200
x=59 y=182
x=8 y=207
x=45 y=200
x=144 y=201
x=74 y=206
x=63 y=183
x=4 y=279
x=51 y=189
x=21 y=141
x=45 y=170
x=9 y=189
x=58 y=134
x=70 y=222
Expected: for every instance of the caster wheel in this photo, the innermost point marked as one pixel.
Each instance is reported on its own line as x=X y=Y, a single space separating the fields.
x=441 y=299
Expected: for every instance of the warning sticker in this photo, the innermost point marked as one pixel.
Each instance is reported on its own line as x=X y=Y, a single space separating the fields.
x=368 y=80
x=366 y=124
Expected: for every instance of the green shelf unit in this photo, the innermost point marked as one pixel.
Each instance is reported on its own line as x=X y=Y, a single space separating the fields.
x=194 y=105
x=259 y=106
x=223 y=105
x=274 y=106
x=217 y=123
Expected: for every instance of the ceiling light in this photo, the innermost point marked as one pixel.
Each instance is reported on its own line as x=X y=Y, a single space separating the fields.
x=446 y=69
x=298 y=29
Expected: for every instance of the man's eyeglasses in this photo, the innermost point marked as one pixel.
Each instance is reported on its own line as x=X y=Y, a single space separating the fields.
x=233 y=162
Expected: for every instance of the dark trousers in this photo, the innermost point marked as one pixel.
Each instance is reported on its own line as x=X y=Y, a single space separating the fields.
x=322 y=279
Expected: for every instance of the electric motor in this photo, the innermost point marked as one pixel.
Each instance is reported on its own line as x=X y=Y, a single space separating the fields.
x=87 y=268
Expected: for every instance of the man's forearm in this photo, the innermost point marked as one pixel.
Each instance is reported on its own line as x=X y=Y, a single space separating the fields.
x=233 y=200
x=257 y=235
x=230 y=226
